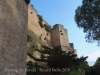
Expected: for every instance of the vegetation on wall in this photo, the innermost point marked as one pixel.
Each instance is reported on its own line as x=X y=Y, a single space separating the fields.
x=29 y=38
x=40 y=23
x=47 y=34
x=61 y=33
x=33 y=68
x=45 y=38
x=40 y=18
x=42 y=56
x=34 y=46
x=40 y=37
x=47 y=28
x=60 y=30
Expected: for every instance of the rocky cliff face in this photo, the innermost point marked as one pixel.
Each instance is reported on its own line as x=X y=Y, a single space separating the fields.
x=13 y=36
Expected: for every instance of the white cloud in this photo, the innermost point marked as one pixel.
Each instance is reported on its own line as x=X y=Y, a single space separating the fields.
x=93 y=57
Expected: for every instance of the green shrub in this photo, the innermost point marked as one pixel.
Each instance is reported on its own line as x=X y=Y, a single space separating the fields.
x=40 y=18
x=45 y=25
x=73 y=72
x=42 y=56
x=29 y=64
x=33 y=46
x=40 y=37
x=47 y=34
x=47 y=28
x=40 y=23
x=29 y=38
x=61 y=33
x=45 y=38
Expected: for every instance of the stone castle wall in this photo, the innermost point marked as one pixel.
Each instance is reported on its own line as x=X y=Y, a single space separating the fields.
x=33 y=25
x=55 y=36
x=64 y=39
x=13 y=36
x=40 y=37
x=60 y=37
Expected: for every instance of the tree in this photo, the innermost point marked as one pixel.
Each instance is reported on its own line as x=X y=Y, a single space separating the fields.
x=88 y=17
x=73 y=72
x=59 y=59
x=96 y=67
x=56 y=58
x=85 y=67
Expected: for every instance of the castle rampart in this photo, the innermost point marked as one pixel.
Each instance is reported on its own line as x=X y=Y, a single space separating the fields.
x=34 y=26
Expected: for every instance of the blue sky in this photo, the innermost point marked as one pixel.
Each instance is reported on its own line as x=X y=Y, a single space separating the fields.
x=63 y=12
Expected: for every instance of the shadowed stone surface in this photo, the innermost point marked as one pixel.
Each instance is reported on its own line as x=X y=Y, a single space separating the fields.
x=13 y=37
x=27 y=1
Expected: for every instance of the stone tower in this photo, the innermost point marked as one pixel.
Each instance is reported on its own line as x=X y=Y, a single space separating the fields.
x=59 y=37
x=13 y=36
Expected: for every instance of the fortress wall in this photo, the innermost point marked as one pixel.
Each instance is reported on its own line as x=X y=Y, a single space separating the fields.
x=60 y=37
x=55 y=36
x=64 y=38
x=35 y=30
x=34 y=26
x=13 y=36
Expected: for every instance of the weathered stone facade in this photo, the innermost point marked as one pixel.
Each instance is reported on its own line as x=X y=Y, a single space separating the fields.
x=58 y=37
x=13 y=37
x=37 y=33
x=33 y=25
